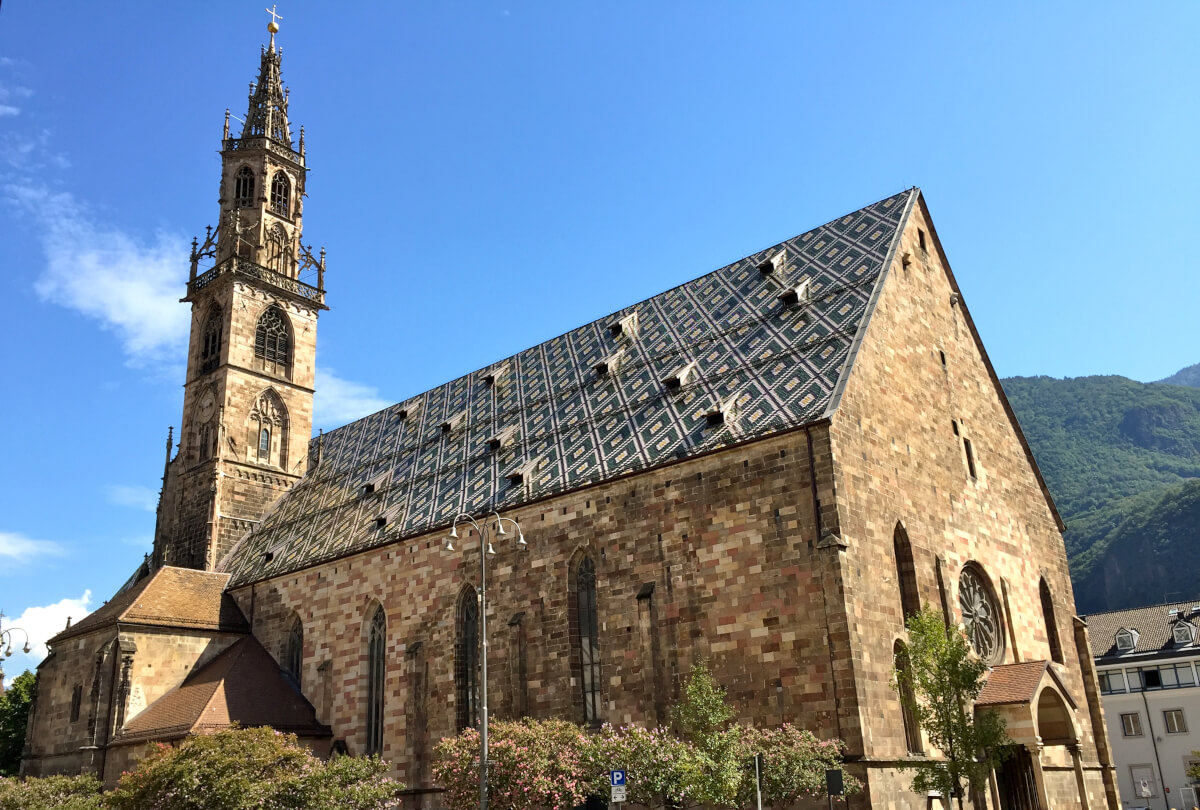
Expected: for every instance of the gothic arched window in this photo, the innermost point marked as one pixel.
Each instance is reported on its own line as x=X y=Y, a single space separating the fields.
x=376 y=668
x=981 y=614
x=243 y=188
x=281 y=194
x=268 y=427
x=466 y=661
x=906 y=573
x=1056 y=652
x=210 y=341
x=294 y=658
x=273 y=340
x=587 y=638
x=912 y=730
x=279 y=251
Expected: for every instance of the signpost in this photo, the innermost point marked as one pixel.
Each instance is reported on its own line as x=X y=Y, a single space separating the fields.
x=834 y=784
x=616 y=780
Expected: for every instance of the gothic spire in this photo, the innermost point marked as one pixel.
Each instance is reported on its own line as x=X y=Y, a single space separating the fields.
x=267 y=115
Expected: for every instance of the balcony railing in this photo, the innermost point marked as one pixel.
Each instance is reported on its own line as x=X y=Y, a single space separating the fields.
x=245 y=267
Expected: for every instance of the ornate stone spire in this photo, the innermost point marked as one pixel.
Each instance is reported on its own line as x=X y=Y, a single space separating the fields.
x=267 y=115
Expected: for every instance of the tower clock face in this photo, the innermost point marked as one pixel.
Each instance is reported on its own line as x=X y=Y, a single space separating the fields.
x=208 y=404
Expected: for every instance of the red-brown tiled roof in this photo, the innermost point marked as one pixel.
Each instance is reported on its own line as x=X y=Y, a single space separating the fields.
x=242 y=685
x=170 y=597
x=1012 y=683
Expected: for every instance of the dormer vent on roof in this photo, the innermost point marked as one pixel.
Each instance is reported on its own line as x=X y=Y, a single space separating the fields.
x=626 y=327
x=408 y=410
x=493 y=375
x=725 y=411
x=773 y=263
x=610 y=364
x=523 y=475
x=453 y=421
x=1183 y=633
x=502 y=439
x=791 y=296
x=680 y=376
x=1126 y=639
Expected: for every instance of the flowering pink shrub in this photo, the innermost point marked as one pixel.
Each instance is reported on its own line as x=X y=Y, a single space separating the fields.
x=51 y=793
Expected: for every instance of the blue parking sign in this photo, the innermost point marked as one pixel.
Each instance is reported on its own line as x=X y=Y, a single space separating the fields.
x=618 y=778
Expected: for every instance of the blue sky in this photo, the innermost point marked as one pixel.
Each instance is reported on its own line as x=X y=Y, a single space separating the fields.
x=487 y=175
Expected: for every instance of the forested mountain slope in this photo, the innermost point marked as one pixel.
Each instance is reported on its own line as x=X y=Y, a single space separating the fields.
x=1119 y=457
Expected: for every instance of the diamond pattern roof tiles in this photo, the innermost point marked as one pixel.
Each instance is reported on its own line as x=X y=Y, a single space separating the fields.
x=779 y=363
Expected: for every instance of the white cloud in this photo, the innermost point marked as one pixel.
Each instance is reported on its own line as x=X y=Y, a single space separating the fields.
x=129 y=286
x=41 y=623
x=7 y=109
x=137 y=497
x=19 y=548
x=338 y=401
x=29 y=153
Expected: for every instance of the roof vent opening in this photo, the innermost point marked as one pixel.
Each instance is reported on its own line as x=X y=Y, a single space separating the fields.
x=402 y=413
x=624 y=327
x=523 y=475
x=610 y=364
x=493 y=375
x=268 y=556
x=1173 y=612
x=680 y=377
x=773 y=263
x=453 y=422
x=368 y=488
x=725 y=411
x=791 y=296
x=502 y=438
x=381 y=521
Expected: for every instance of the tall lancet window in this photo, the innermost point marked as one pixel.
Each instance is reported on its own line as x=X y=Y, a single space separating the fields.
x=279 y=251
x=243 y=188
x=210 y=341
x=904 y=676
x=294 y=655
x=273 y=341
x=587 y=638
x=376 y=669
x=281 y=194
x=906 y=573
x=1056 y=652
x=466 y=661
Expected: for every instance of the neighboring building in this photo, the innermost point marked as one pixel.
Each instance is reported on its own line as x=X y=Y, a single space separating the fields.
x=766 y=468
x=1147 y=660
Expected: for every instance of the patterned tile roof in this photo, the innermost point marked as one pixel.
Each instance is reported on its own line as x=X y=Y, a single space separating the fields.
x=598 y=402
x=170 y=597
x=241 y=685
x=1153 y=628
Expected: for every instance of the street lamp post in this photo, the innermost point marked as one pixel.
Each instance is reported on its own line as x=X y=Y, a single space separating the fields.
x=485 y=548
x=6 y=640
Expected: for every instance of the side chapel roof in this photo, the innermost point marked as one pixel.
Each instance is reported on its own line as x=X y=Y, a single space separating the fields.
x=170 y=597
x=598 y=402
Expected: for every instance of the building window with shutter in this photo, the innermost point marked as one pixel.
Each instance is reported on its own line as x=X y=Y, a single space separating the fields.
x=1173 y=719
x=1131 y=724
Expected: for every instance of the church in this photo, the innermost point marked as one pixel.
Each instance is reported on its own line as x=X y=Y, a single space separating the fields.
x=766 y=468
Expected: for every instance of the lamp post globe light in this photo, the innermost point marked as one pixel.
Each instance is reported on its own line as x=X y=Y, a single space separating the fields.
x=482 y=528
x=6 y=641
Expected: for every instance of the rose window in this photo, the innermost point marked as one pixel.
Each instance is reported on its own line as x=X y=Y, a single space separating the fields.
x=981 y=615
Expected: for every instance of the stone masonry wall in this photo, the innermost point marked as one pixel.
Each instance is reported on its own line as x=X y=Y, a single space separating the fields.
x=715 y=558
x=919 y=387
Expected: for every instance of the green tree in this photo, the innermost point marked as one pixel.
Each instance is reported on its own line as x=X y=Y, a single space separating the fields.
x=14 y=716
x=943 y=679
x=238 y=769
x=51 y=793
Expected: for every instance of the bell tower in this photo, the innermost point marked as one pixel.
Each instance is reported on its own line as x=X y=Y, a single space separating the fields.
x=247 y=409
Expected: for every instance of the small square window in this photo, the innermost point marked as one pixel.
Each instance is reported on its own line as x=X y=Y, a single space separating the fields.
x=921 y=238
x=1131 y=724
x=1173 y=718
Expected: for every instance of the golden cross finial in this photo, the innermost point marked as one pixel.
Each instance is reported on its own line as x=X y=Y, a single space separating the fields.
x=273 y=25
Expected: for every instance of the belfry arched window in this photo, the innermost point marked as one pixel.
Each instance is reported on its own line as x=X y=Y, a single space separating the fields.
x=376 y=670
x=243 y=188
x=1056 y=652
x=210 y=341
x=981 y=614
x=906 y=573
x=466 y=661
x=586 y=637
x=294 y=655
x=273 y=341
x=912 y=729
x=281 y=194
x=279 y=251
